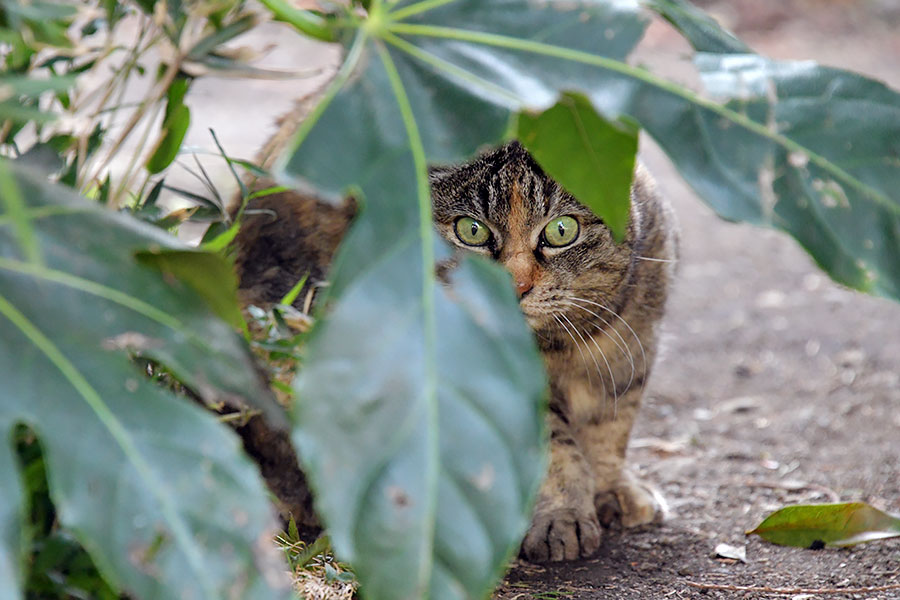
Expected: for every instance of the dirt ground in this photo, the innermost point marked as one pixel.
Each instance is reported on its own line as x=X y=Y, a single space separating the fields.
x=775 y=386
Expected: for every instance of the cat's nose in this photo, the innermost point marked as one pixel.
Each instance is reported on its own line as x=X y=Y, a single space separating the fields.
x=523 y=287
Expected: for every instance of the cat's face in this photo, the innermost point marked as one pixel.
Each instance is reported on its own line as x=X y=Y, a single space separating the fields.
x=563 y=259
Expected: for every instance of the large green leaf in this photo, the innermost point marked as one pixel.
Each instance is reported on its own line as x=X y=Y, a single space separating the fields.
x=155 y=489
x=830 y=176
x=418 y=416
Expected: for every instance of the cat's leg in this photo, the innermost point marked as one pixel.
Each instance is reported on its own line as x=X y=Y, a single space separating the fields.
x=619 y=494
x=565 y=525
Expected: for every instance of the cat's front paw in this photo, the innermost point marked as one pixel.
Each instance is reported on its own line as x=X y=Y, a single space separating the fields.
x=631 y=501
x=561 y=534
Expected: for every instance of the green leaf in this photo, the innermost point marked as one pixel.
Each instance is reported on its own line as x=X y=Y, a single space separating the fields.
x=152 y=485
x=820 y=159
x=815 y=525
x=426 y=475
x=292 y=294
x=220 y=241
x=603 y=183
x=701 y=30
x=210 y=274
x=175 y=125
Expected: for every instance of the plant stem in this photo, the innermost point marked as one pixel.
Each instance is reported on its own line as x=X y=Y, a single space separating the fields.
x=307 y=22
x=426 y=233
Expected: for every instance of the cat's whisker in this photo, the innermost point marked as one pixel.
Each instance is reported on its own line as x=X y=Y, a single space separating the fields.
x=651 y=259
x=623 y=346
x=612 y=377
x=618 y=316
x=575 y=343
x=594 y=358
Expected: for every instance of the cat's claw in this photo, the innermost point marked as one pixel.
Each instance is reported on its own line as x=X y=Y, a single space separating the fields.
x=561 y=534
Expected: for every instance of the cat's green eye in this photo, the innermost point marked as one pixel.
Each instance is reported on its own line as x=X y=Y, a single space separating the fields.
x=472 y=232
x=561 y=231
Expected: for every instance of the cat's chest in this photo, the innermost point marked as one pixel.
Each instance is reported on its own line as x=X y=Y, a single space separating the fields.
x=586 y=377
x=584 y=385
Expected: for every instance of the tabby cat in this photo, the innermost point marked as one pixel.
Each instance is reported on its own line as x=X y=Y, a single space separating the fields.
x=593 y=304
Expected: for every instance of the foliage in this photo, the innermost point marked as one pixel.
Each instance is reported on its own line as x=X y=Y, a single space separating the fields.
x=172 y=507
x=316 y=570
x=817 y=525
x=436 y=80
x=157 y=491
x=418 y=407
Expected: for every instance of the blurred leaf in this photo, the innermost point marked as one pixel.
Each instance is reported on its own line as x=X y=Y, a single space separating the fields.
x=12 y=85
x=701 y=30
x=44 y=158
x=153 y=485
x=209 y=274
x=198 y=198
x=175 y=125
x=18 y=112
x=815 y=525
x=45 y=22
x=218 y=238
x=603 y=183
x=152 y=197
x=292 y=294
x=16 y=209
x=19 y=94
x=209 y=43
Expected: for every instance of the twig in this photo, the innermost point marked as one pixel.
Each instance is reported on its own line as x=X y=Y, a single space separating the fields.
x=788 y=591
